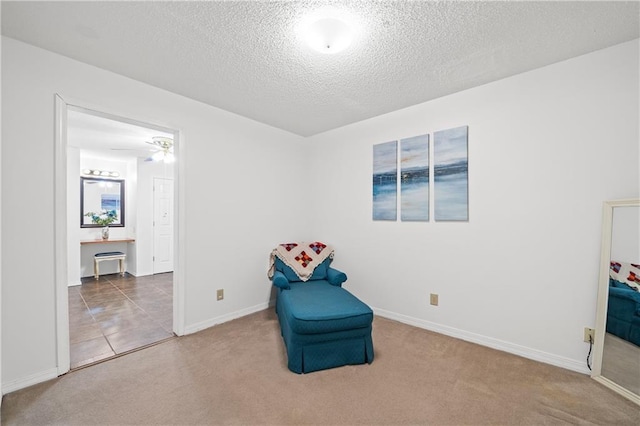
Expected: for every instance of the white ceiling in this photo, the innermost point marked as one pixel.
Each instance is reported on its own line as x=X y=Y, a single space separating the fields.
x=105 y=137
x=246 y=57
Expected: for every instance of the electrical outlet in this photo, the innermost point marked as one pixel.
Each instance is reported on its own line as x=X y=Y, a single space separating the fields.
x=220 y=294
x=433 y=299
x=589 y=334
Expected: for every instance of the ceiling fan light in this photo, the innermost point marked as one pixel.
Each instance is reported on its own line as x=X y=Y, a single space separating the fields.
x=162 y=141
x=169 y=158
x=158 y=156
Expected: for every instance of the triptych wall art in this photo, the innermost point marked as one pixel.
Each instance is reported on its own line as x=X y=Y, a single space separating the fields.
x=414 y=178
x=450 y=177
x=385 y=180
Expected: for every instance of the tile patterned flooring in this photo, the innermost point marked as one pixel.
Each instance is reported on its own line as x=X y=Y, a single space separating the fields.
x=115 y=314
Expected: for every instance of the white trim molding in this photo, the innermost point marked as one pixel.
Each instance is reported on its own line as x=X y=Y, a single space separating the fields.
x=30 y=380
x=617 y=388
x=60 y=237
x=194 y=328
x=490 y=342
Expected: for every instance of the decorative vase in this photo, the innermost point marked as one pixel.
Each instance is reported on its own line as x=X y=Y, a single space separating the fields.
x=105 y=233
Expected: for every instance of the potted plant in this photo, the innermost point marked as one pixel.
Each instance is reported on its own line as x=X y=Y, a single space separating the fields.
x=104 y=219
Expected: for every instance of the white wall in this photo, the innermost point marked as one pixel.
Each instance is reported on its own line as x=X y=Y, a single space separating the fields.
x=546 y=148
x=237 y=199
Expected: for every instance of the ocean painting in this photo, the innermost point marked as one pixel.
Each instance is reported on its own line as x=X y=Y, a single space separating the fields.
x=385 y=181
x=414 y=178
x=451 y=177
x=110 y=202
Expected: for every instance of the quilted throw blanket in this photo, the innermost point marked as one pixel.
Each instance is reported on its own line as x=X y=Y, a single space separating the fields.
x=302 y=257
x=627 y=273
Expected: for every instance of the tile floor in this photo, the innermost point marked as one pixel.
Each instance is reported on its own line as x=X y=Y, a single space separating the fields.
x=116 y=314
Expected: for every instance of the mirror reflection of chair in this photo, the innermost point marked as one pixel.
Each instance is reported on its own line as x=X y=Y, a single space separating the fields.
x=617 y=340
x=109 y=255
x=623 y=307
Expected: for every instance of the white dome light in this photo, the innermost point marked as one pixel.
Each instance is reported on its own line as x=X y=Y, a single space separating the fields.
x=329 y=35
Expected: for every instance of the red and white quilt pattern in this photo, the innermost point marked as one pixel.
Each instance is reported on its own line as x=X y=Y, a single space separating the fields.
x=627 y=273
x=302 y=257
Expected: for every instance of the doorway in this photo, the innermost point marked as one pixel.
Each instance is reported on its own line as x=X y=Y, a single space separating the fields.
x=105 y=313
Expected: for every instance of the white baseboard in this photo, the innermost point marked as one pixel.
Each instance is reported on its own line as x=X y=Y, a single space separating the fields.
x=141 y=273
x=523 y=351
x=193 y=328
x=14 y=385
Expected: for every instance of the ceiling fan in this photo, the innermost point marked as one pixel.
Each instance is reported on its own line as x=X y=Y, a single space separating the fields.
x=165 y=149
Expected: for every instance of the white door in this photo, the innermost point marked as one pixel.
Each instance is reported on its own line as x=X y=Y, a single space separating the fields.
x=162 y=225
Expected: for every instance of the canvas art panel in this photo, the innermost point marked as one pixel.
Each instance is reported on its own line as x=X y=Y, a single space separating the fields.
x=451 y=177
x=110 y=202
x=385 y=181
x=414 y=178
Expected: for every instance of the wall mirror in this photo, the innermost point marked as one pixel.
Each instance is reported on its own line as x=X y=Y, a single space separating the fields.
x=617 y=339
x=97 y=195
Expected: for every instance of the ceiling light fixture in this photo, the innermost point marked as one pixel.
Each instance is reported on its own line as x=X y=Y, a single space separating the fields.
x=164 y=153
x=331 y=29
x=328 y=35
x=165 y=156
x=104 y=173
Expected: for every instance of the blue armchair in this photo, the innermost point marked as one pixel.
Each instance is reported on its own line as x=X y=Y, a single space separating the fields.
x=322 y=325
x=623 y=312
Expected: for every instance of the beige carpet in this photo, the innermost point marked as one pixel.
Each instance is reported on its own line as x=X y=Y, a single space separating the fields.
x=236 y=373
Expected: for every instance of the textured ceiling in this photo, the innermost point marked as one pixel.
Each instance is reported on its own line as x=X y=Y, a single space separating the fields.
x=248 y=58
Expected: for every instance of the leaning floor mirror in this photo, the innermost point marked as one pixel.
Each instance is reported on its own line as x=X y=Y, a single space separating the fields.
x=617 y=340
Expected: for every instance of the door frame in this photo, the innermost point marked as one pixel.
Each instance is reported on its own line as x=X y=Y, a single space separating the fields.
x=62 y=105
